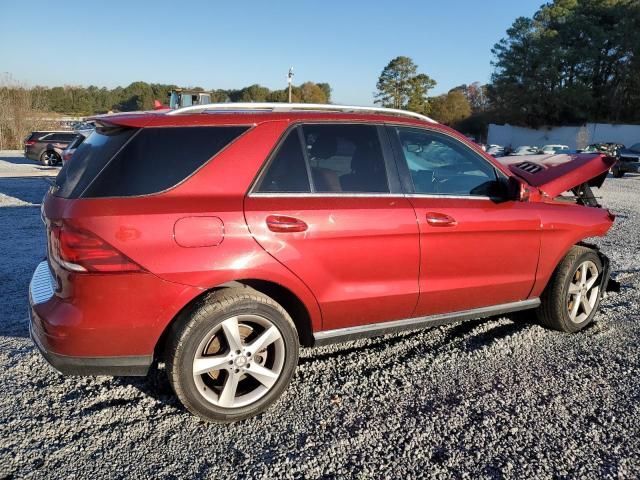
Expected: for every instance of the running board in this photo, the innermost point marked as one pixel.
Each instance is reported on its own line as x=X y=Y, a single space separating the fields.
x=327 y=337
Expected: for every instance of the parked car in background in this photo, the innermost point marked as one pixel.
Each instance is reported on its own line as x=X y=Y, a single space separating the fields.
x=71 y=148
x=554 y=149
x=495 y=150
x=610 y=149
x=628 y=161
x=219 y=244
x=47 y=147
x=84 y=128
x=525 y=150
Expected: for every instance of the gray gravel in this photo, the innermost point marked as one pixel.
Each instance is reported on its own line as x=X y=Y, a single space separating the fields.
x=482 y=399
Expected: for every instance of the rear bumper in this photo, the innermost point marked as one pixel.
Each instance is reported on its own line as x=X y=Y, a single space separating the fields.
x=102 y=324
x=117 y=366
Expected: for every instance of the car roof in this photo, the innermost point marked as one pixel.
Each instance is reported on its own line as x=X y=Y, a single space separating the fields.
x=253 y=113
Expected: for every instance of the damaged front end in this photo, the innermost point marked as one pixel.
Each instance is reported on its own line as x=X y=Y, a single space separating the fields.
x=556 y=174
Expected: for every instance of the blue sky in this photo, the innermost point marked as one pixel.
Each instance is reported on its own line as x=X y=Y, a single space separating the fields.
x=235 y=44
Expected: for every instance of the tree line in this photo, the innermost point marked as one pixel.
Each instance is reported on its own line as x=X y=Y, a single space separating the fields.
x=574 y=61
x=77 y=100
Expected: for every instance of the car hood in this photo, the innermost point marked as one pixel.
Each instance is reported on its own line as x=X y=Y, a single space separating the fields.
x=555 y=174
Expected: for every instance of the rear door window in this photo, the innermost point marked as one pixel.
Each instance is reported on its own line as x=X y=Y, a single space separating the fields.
x=287 y=172
x=345 y=158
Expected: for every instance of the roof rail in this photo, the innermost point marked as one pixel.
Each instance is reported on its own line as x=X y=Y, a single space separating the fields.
x=296 y=107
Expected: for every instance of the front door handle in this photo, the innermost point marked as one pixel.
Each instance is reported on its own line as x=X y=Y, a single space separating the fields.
x=285 y=224
x=440 y=220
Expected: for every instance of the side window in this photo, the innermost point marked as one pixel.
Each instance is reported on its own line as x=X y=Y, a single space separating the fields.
x=287 y=173
x=157 y=159
x=345 y=158
x=442 y=165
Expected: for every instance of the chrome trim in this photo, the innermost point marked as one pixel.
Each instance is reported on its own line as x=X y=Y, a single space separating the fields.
x=352 y=333
x=323 y=195
x=42 y=284
x=358 y=195
x=456 y=197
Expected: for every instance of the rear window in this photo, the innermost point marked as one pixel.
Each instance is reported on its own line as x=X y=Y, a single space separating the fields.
x=90 y=157
x=122 y=162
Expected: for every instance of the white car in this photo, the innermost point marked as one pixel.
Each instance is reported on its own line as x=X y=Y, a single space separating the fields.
x=525 y=150
x=553 y=149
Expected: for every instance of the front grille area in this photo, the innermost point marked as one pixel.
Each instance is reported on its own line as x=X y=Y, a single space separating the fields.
x=42 y=284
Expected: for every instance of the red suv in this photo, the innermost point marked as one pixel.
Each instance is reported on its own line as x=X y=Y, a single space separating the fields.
x=219 y=238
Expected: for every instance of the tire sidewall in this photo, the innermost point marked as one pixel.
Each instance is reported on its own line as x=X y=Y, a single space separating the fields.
x=205 y=319
x=570 y=325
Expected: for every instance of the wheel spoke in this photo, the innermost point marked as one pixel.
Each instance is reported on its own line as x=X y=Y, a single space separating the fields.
x=228 y=394
x=263 y=375
x=583 y=273
x=592 y=282
x=586 y=305
x=265 y=339
x=573 y=288
x=232 y=332
x=576 y=305
x=203 y=365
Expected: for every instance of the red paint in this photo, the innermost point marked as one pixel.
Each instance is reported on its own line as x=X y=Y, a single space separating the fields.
x=349 y=260
x=192 y=232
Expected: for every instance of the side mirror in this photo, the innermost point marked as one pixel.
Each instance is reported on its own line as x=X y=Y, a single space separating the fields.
x=518 y=190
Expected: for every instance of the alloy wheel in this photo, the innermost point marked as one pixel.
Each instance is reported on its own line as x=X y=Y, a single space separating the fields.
x=583 y=291
x=238 y=361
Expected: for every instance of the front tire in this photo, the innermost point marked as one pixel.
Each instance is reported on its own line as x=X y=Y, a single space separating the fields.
x=232 y=356
x=616 y=172
x=573 y=294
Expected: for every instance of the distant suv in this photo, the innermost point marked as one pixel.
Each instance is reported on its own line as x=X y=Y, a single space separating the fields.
x=628 y=161
x=219 y=238
x=47 y=147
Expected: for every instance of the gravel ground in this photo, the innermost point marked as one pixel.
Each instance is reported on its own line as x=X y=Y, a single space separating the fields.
x=482 y=399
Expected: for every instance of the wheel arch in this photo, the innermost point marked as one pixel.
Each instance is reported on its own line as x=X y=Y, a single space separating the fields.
x=293 y=305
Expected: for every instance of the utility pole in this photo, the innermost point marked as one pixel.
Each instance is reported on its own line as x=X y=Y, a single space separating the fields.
x=289 y=80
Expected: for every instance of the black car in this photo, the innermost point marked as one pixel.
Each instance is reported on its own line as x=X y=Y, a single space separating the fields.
x=628 y=161
x=47 y=147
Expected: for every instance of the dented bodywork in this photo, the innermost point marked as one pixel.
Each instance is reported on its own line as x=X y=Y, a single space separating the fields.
x=556 y=174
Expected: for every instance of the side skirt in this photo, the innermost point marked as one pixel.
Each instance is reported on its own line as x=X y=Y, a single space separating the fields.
x=327 y=337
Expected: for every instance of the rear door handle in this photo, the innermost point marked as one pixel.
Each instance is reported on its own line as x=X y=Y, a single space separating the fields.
x=285 y=224
x=440 y=220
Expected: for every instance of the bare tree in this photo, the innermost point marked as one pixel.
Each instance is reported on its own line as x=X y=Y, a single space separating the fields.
x=22 y=110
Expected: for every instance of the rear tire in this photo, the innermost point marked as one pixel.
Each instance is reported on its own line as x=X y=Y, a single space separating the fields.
x=49 y=158
x=572 y=297
x=232 y=355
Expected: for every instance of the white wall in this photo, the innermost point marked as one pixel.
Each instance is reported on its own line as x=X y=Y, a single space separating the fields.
x=574 y=137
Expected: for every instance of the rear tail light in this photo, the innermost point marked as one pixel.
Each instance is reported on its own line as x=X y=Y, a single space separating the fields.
x=79 y=250
x=28 y=143
x=66 y=156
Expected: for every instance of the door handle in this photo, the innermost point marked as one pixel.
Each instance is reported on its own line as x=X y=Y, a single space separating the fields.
x=441 y=220
x=283 y=223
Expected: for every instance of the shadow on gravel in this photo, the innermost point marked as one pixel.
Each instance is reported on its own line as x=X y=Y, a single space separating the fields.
x=14 y=160
x=457 y=333
x=27 y=189
x=154 y=385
